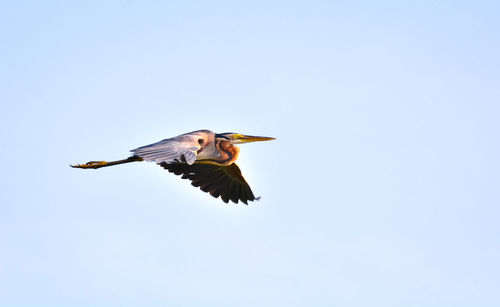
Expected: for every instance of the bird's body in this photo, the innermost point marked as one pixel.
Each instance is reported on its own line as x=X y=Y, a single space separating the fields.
x=201 y=145
x=204 y=157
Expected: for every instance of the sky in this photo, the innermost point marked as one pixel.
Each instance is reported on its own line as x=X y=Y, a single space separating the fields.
x=380 y=190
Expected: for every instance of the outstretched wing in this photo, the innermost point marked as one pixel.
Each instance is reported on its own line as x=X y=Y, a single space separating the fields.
x=219 y=180
x=182 y=148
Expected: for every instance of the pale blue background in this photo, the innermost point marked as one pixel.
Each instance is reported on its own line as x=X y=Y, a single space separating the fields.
x=381 y=190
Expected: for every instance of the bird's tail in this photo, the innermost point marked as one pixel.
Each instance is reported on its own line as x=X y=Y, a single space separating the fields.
x=99 y=164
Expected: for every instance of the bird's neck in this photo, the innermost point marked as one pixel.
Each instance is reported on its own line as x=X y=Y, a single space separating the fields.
x=228 y=151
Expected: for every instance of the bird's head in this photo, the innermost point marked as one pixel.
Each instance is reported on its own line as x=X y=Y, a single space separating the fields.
x=237 y=138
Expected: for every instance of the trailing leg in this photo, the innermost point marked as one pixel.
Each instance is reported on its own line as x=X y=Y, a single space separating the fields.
x=99 y=164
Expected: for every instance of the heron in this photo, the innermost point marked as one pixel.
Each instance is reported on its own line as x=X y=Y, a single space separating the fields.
x=204 y=157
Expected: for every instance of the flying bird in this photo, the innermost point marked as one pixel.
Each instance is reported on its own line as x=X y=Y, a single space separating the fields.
x=204 y=157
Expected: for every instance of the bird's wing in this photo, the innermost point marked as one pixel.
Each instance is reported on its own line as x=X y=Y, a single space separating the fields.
x=182 y=148
x=219 y=180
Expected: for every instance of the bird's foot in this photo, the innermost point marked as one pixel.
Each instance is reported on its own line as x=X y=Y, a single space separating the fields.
x=91 y=164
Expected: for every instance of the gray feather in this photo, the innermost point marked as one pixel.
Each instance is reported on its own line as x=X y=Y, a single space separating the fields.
x=182 y=148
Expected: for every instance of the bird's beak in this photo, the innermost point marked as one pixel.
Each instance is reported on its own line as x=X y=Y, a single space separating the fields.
x=250 y=138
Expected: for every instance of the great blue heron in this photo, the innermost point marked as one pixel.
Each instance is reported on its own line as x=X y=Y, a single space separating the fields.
x=204 y=157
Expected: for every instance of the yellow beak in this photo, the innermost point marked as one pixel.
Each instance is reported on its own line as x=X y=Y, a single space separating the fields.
x=250 y=138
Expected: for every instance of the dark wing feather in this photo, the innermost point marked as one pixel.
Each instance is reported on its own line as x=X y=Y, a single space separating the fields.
x=218 y=180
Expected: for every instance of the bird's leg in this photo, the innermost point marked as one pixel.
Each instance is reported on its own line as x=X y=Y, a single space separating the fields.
x=91 y=164
x=98 y=164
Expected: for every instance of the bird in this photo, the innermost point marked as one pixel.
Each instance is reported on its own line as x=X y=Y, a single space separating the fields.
x=204 y=157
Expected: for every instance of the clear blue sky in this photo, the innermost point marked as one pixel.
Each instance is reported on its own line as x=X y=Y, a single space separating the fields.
x=382 y=188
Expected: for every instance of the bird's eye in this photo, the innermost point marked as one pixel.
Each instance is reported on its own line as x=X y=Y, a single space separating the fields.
x=200 y=141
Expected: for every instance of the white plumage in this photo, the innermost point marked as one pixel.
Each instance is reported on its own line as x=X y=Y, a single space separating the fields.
x=184 y=147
